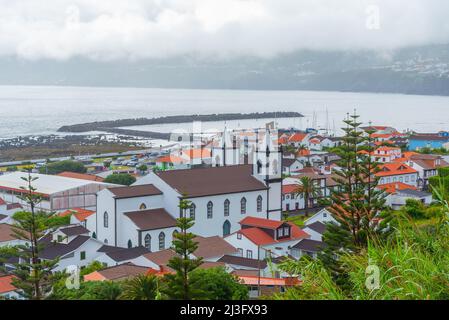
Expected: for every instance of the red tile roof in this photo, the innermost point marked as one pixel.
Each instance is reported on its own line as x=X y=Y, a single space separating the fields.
x=297 y=137
x=79 y=213
x=261 y=223
x=80 y=176
x=289 y=188
x=395 y=186
x=197 y=153
x=260 y=238
x=6 y=284
x=393 y=169
x=264 y=281
x=170 y=159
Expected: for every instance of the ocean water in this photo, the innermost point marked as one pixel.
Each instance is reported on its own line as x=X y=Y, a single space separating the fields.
x=35 y=110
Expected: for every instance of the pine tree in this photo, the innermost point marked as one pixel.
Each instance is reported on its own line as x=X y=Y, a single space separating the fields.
x=33 y=276
x=356 y=205
x=179 y=285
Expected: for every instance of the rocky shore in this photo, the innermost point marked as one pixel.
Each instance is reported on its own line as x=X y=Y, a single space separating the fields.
x=112 y=126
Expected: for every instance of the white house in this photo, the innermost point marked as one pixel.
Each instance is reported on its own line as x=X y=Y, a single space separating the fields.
x=322 y=216
x=134 y=216
x=397 y=172
x=291 y=200
x=315 y=230
x=72 y=245
x=259 y=238
x=291 y=166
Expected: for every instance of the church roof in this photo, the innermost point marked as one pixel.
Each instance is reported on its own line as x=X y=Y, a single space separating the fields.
x=212 y=181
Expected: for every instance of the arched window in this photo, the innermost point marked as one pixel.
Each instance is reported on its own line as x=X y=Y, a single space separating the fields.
x=259 y=203
x=161 y=241
x=105 y=220
x=147 y=241
x=226 y=228
x=226 y=207
x=243 y=206
x=275 y=167
x=130 y=243
x=259 y=167
x=210 y=210
x=142 y=206
x=106 y=241
x=192 y=211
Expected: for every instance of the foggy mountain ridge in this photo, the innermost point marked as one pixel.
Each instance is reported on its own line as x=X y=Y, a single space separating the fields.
x=415 y=70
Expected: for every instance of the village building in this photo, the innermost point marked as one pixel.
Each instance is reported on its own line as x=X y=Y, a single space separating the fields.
x=427 y=166
x=58 y=193
x=397 y=172
x=259 y=238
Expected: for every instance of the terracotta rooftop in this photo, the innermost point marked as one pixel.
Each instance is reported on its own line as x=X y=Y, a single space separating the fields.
x=212 y=181
x=261 y=223
x=6 y=232
x=391 y=169
x=79 y=213
x=6 y=284
x=119 y=272
x=135 y=191
x=213 y=247
x=81 y=176
x=151 y=219
x=395 y=186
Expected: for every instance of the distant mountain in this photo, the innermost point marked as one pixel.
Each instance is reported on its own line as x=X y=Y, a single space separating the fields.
x=417 y=70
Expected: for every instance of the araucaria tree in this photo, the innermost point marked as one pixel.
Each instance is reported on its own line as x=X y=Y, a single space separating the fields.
x=179 y=285
x=33 y=276
x=356 y=205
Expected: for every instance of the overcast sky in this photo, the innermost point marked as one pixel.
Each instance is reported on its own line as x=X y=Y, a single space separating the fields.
x=135 y=29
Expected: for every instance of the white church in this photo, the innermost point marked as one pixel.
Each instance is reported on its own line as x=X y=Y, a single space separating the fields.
x=233 y=188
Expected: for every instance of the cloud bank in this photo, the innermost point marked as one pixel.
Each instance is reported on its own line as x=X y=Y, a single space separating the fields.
x=139 y=29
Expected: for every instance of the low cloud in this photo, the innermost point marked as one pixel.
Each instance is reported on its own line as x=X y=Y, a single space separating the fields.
x=117 y=29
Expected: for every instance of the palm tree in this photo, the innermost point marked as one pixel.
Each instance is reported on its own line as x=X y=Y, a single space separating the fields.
x=142 y=287
x=308 y=189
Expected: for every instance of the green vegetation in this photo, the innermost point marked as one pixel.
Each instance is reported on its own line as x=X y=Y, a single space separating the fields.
x=308 y=190
x=34 y=276
x=120 y=178
x=217 y=284
x=61 y=166
x=181 y=285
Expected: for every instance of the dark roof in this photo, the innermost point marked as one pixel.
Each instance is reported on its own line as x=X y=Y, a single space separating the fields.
x=2 y=216
x=74 y=231
x=106 y=248
x=213 y=247
x=135 y=191
x=244 y=262
x=11 y=206
x=317 y=226
x=151 y=219
x=309 y=245
x=127 y=253
x=54 y=250
x=287 y=162
x=212 y=181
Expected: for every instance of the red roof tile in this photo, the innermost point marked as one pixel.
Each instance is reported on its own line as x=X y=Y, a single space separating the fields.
x=392 y=169
x=6 y=284
x=297 y=137
x=289 y=188
x=80 y=176
x=261 y=223
x=395 y=186
x=79 y=213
